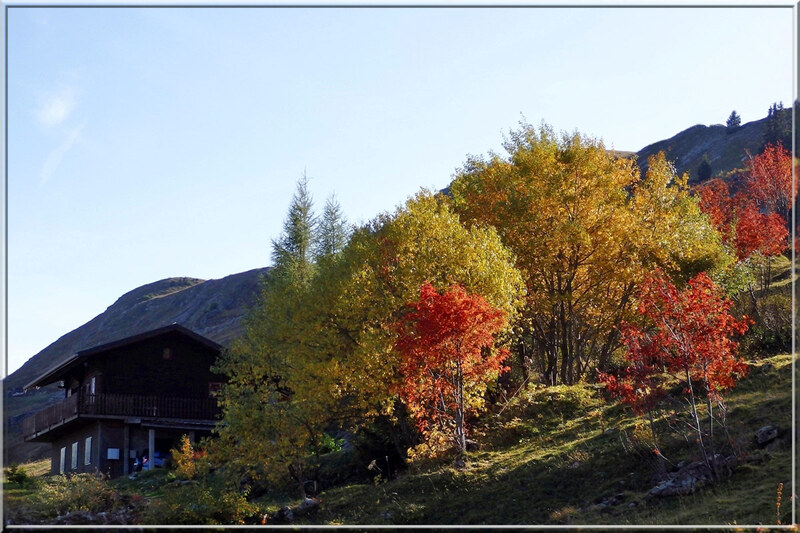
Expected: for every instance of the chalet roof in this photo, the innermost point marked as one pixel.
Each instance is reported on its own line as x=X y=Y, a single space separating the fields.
x=54 y=373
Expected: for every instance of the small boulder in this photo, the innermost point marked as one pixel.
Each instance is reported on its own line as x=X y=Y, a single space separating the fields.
x=306 y=506
x=284 y=515
x=766 y=434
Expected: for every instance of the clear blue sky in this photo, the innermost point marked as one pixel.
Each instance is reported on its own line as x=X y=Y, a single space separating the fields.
x=151 y=143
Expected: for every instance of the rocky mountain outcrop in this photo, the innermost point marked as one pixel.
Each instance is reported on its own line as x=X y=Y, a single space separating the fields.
x=725 y=151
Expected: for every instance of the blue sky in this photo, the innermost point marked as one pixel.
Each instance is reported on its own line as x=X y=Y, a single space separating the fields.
x=151 y=143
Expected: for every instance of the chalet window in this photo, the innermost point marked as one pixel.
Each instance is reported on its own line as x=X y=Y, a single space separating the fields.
x=87 y=452
x=74 y=458
x=63 y=463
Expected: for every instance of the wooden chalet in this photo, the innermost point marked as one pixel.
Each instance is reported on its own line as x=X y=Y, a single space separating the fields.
x=127 y=399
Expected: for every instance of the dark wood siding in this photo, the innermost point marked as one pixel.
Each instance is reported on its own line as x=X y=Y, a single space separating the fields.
x=143 y=369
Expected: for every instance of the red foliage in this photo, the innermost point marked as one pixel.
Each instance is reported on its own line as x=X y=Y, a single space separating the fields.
x=689 y=336
x=715 y=201
x=445 y=342
x=639 y=385
x=769 y=180
x=741 y=221
x=760 y=232
x=691 y=333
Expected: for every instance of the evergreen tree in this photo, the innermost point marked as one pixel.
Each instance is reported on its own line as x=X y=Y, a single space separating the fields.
x=778 y=127
x=733 y=123
x=332 y=231
x=292 y=252
x=704 y=169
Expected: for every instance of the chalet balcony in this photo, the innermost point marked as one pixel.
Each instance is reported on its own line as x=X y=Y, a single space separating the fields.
x=118 y=406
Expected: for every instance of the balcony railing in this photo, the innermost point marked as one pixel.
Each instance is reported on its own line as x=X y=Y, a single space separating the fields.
x=122 y=405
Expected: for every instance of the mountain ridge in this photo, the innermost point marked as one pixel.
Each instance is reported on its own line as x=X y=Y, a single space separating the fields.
x=726 y=151
x=213 y=308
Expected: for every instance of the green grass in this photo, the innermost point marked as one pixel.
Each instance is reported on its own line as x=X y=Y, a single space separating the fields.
x=548 y=458
x=551 y=467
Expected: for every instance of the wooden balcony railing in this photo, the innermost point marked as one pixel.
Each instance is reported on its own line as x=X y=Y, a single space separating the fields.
x=123 y=405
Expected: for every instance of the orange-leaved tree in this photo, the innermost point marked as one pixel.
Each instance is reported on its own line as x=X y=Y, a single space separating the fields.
x=446 y=345
x=689 y=335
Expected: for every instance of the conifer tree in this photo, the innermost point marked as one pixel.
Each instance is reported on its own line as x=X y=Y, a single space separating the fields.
x=778 y=127
x=704 y=169
x=733 y=123
x=332 y=230
x=293 y=250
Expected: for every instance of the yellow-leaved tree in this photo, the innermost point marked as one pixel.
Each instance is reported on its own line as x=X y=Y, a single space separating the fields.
x=585 y=230
x=350 y=369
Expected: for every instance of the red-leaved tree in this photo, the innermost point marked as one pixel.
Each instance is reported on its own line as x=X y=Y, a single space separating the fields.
x=769 y=180
x=715 y=201
x=765 y=233
x=447 y=359
x=640 y=385
x=689 y=335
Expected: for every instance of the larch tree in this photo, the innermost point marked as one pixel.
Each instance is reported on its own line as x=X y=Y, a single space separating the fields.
x=265 y=430
x=333 y=230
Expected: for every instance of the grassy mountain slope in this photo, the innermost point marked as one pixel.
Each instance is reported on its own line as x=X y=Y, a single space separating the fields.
x=555 y=455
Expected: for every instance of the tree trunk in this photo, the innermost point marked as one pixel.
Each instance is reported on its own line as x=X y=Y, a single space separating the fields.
x=698 y=427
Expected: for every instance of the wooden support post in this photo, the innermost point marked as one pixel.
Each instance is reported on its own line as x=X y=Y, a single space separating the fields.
x=151 y=445
x=126 y=450
x=101 y=461
x=191 y=438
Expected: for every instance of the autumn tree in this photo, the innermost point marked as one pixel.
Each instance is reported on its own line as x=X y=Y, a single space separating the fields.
x=358 y=298
x=585 y=228
x=768 y=180
x=688 y=335
x=716 y=202
x=447 y=358
x=753 y=221
x=321 y=354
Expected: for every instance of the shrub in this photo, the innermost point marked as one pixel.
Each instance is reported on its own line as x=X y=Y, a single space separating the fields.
x=199 y=502
x=184 y=459
x=772 y=331
x=16 y=474
x=77 y=492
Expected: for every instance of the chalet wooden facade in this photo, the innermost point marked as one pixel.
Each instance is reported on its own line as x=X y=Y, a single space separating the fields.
x=127 y=399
